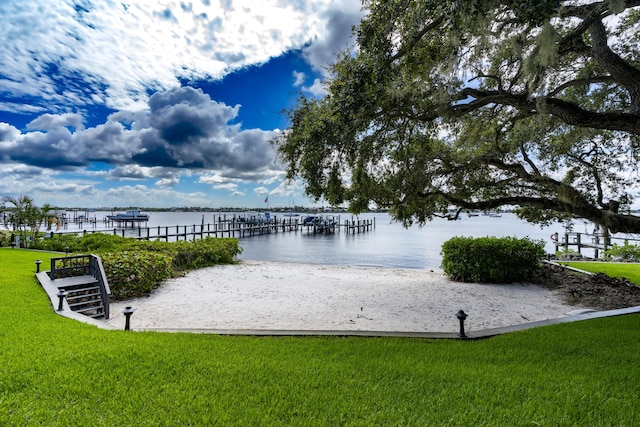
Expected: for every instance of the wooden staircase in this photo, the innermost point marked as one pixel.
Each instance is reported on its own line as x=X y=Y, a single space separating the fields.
x=82 y=282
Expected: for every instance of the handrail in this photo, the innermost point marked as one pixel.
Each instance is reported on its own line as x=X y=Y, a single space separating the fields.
x=81 y=265
x=69 y=266
x=97 y=271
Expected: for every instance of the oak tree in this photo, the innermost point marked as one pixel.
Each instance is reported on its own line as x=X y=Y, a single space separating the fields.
x=479 y=105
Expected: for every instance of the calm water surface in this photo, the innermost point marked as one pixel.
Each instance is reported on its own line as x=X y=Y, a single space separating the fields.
x=388 y=245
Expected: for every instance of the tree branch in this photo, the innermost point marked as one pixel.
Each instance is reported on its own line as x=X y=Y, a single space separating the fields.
x=568 y=112
x=580 y=82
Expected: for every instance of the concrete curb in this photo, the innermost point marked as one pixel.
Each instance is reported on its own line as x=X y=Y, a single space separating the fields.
x=480 y=334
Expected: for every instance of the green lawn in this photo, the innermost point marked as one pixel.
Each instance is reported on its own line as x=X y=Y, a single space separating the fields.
x=614 y=269
x=55 y=371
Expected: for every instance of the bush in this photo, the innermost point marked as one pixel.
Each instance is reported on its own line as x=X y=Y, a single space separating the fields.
x=5 y=238
x=626 y=252
x=193 y=254
x=136 y=267
x=84 y=243
x=133 y=274
x=491 y=259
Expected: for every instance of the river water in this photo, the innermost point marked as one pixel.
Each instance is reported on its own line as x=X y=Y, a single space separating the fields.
x=389 y=244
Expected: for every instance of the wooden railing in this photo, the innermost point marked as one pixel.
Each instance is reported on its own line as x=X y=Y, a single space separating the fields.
x=83 y=265
x=599 y=243
x=226 y=228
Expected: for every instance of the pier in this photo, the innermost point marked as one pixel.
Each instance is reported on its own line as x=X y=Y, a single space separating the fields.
x=237 y=226
x=598 y=243
x=76 y=217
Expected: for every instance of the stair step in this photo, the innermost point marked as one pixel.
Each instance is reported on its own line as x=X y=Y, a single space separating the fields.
x=75 y=281
x=75 y=297
x=96 y=315
x=95 y=307
x=88 y=303
x=80 y=291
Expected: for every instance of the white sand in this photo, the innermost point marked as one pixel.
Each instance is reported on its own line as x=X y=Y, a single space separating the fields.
x=286 y=296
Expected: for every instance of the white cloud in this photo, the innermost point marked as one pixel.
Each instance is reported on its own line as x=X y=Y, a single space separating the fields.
x=168 y=182
x=124 y=50
x=64 y=56
x=228 y=186
x=180 y=129
x=316 y=89
x=211 y=178
x=261 y=191
x=298 y=78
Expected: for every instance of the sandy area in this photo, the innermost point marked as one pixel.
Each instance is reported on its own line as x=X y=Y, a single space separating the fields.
x=286 y=296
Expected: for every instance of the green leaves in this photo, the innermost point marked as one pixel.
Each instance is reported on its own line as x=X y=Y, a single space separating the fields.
x=136 y=267
x=491 y=259
x=25 y=217
x=133 y=274
x=478 y=105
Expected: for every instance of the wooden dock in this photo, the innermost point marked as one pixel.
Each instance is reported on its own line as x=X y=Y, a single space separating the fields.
x=599 y=243
x=237 y=227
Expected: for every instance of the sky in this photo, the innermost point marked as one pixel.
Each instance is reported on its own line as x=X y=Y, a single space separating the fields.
x=142 y=103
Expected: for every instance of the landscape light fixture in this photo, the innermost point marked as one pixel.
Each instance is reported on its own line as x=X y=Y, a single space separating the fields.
x=61 y=294
x=128 y=311
x=461 y=315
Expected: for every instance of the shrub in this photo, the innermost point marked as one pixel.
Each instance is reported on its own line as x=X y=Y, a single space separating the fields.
x=5 y=238
x=90 y=242
x=491 y=259
x=133 y=274
x=136 y=267
x=626 y=252
x=193 y=254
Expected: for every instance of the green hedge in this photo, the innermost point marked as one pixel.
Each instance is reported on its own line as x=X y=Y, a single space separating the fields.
x=135 y=267
x=491 y=259
x=5 y=238
x=84 y=243
x=133 y=274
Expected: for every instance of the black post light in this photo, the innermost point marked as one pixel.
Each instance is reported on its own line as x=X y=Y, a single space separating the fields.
x=461 y=315
x=38 y=262
x=61 y=294
x=128 y=311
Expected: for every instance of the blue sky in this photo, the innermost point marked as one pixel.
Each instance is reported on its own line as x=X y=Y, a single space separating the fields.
x=158 y=103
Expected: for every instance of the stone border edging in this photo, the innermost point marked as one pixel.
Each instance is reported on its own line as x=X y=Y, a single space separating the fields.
x=484 y=333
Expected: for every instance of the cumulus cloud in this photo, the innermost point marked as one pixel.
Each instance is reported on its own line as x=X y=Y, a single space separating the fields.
x=8 y=133
x=65 y=61
x=75 y=53
x=182 y=128
x=230 y=186
x=316 y=89
x=298 y=78
x=53 y=121
x=168 y=182
x=337 y=35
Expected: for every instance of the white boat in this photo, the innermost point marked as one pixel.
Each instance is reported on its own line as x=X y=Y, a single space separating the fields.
x=132 y=215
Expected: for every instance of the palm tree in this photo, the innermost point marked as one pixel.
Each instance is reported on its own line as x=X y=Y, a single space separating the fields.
x=25 y=217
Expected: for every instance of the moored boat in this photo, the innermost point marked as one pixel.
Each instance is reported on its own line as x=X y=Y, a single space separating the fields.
x=131 y=215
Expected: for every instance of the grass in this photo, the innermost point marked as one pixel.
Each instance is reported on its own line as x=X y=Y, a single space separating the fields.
x=614 y=269
x=56 y=371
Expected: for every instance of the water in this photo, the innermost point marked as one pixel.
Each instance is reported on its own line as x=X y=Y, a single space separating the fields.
x=388 y=245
